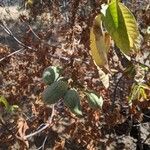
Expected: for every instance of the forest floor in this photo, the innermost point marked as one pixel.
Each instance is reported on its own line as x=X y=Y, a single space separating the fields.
x=39 y=44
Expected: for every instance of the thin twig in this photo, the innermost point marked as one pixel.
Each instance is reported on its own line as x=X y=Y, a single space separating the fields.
x=44 y=42
x=115 y=92
x=52 y=115
x=43 y=128
x=8 y=31
x=146 y=138
x=43 y=145
x=11 y=54
x=35 y=133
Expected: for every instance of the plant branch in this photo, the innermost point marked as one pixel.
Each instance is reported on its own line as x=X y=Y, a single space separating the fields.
x=45 y=127
x=43 y=145
x=11 y=54
x=8 y=31
x=44 y=42
x=115 y=92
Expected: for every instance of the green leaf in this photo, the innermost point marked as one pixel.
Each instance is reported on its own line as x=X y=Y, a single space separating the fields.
x=94 y=101
x=143 y=93
x=138 y=92
x=77 y=111
x=145 y=86
x=134 y=92
x=122 y=26
x=13 y=108
x=9 y=108
x=50 y=74
x=148 y=30
x=4 y=102
x=72 y=101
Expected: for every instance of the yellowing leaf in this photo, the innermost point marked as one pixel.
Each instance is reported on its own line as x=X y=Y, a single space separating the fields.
x=99 y=44
x=107 y=40
x=104 y=78
x=122 y=26
x=30 y=2
x=138 y=92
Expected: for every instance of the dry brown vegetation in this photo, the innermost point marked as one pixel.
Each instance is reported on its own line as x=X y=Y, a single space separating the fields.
x=57 y=33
